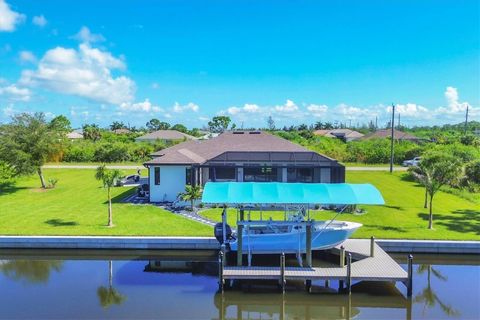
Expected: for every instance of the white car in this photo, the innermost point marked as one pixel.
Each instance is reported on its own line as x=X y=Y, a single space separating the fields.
x=412 y=163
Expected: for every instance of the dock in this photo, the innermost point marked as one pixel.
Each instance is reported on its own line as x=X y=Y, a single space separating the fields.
x=359 y=260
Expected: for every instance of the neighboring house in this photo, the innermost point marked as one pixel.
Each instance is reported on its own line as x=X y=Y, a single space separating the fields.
x=74 y=135
x=236 y=156
x=397 y=135
x=165 y=136
x=344 y=134
x=121 y=131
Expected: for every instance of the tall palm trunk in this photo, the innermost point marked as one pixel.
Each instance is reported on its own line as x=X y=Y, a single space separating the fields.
x=110 y=220
x=430 y=216
x=425 y=205
x=42 y=180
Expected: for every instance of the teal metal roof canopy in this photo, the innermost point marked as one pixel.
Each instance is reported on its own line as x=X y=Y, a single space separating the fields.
x=290 y=193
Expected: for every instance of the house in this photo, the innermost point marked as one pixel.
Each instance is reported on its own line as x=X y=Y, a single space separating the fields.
x=397 y=135
x=121 y=131
x=164 y=136
x=74 y=135
x=344 y=134
x=236 y=156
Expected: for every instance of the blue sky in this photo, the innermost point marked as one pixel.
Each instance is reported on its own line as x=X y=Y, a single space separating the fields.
x=186 y=61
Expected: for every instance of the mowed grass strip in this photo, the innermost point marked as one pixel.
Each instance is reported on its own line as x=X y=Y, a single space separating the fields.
x=78 y=206
x=403 y=215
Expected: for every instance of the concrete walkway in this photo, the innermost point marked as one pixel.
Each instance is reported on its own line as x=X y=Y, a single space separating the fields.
x=376 y=168
x=140 y=166
x=61 y=166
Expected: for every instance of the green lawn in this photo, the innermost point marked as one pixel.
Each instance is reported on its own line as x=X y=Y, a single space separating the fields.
x=77 y=206
x=403 y=216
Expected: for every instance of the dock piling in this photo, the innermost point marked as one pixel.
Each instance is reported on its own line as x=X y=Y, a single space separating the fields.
x=410 y=276
x=342 y=264
x=282 y=272
x=221 y=265
x=372 y=246
x=349 y=273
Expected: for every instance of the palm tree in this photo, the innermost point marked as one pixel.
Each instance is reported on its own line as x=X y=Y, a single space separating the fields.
x=191 y=194
x=428 y=295
x=438 y=170
x=110 y=295
x=109 y=178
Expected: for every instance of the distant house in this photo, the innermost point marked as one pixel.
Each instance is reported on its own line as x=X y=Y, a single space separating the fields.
x=165 y=136
x=243 y=156
x=74 y=135
x=397 y=135
x=121 y=131
x=344 y=134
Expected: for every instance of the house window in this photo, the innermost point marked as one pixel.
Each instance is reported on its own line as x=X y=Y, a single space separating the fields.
x=304 y=174
x=188 y=175
x=157 y=176
x=260 y=174
x=223 y=173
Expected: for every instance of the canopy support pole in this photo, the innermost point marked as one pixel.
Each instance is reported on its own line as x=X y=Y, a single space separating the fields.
x=224 y=223
x=240 y=237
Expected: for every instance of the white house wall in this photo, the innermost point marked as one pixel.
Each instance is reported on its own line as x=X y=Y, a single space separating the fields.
x=172 y=182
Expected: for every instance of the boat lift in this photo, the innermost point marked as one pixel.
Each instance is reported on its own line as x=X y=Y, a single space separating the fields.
x=300 y=196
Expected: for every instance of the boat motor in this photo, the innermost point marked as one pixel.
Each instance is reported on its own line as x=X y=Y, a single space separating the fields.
x=218 y=230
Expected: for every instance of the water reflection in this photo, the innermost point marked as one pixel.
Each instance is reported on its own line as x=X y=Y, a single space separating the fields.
x=428 y=296
x=106 y=285
x=30 y=271
x=109 y=296
x=324 y=303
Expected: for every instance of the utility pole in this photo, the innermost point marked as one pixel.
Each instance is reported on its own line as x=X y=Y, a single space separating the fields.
x=392 y=125
x=399 y=121
x=376 y=123
x=466 y=120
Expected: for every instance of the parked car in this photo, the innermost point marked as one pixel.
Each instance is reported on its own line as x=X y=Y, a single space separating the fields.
x=412 y=163
x=131 y=179
x=143 y=190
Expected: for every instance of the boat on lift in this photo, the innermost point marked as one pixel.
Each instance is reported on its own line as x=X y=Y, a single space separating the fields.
x=288 y=235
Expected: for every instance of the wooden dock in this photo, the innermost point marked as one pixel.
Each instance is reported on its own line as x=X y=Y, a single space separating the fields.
x=365 y=261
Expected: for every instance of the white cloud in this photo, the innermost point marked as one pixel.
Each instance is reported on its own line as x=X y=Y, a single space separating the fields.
x=410 y=110
x=86 y=72
x=454 y=106
x=14 y=93
x=187 y=107
x=289 y=106
x=27 y=56
x=9 y=111
x=84 y=35
x=145 y=106
x=40 y=21
x=247 y=108
x=9 y=19
x=155 y=85
x=317 y=110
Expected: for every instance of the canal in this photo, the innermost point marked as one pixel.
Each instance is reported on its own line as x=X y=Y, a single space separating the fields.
x=147 y=285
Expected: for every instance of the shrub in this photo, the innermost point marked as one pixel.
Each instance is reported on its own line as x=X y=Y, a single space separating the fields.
x=52 y=182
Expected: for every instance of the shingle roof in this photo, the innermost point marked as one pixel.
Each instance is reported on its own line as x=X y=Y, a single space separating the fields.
x=338 y=132
x=166 y=135
x=199 y=151
x=386 y=133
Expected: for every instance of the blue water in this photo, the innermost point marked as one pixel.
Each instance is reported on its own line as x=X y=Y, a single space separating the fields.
x=56 y=286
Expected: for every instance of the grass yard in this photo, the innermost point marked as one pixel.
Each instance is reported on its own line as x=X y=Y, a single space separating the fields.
x=403 y=216
x=77 y=206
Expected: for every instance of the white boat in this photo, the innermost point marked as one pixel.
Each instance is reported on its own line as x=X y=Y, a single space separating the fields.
x=278 y=236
